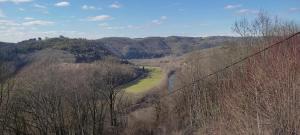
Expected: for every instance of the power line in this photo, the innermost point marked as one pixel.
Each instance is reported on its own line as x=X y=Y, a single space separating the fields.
x=230 y=65
x=226 y=67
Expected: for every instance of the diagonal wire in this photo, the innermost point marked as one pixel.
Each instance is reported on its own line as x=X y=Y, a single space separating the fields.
x=230 y=65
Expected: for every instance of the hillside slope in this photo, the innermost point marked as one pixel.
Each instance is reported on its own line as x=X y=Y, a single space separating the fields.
x=17 y=55
x=155 y=47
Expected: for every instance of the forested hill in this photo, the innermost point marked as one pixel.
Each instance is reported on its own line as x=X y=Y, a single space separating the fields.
x=19 y=54
x=127 y=48
x=154 y=47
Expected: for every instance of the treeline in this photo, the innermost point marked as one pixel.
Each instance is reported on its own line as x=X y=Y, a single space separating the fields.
x=17 y=55
x=50 y=98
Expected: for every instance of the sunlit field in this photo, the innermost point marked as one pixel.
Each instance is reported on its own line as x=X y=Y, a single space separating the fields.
x=142 y=85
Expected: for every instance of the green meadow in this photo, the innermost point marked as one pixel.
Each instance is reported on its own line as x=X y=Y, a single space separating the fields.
x=153 y=78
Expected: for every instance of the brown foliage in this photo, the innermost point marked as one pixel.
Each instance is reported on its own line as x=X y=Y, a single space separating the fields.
x=256 y=96
x=63 y=98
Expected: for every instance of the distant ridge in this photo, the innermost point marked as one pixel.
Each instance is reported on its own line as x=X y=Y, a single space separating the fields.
x=83 y=50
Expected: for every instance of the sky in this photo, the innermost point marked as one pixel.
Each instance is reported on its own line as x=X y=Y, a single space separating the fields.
x=94 y=19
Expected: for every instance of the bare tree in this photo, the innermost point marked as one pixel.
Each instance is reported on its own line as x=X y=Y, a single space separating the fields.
x=256 y=96
x=106 y=82
x=6 y=86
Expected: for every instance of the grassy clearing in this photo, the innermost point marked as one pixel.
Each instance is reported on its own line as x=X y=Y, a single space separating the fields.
x=153 y=79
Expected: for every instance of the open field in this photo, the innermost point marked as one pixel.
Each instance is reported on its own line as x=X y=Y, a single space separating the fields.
x=152 y=79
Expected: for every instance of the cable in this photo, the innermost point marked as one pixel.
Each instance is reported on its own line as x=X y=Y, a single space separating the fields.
x=226 y=67
x=230 y=65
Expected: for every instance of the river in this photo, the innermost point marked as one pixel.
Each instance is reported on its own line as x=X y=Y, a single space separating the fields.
x=171 y=81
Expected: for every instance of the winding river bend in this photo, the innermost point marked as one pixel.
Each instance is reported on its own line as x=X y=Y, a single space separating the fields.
x=171 y=81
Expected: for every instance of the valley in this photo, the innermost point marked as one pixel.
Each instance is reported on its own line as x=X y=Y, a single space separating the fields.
x=173 y=85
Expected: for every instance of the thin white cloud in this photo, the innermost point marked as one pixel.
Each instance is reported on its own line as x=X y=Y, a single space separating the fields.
x=37 y=23
x=106 y=26
x=28 y=18
x=2 y=13
x=16 y=35
x=163 y=17
x=21 y=9
x=103 y=24
x=39 y=6
x=115 y=5
x=12 y=31
x=29 y=21
x=62 y=4
x=16 y=1
x=134 y=27
x=8 y=23
x=115 y=28
x=160 y=20
x=294 y=9
x=87 y=7
x=247 y=11
x=99 y=18
x=157 y=22
x=3 y=27
x=232 y=6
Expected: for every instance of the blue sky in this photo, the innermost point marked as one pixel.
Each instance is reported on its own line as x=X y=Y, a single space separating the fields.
x=93 y=19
